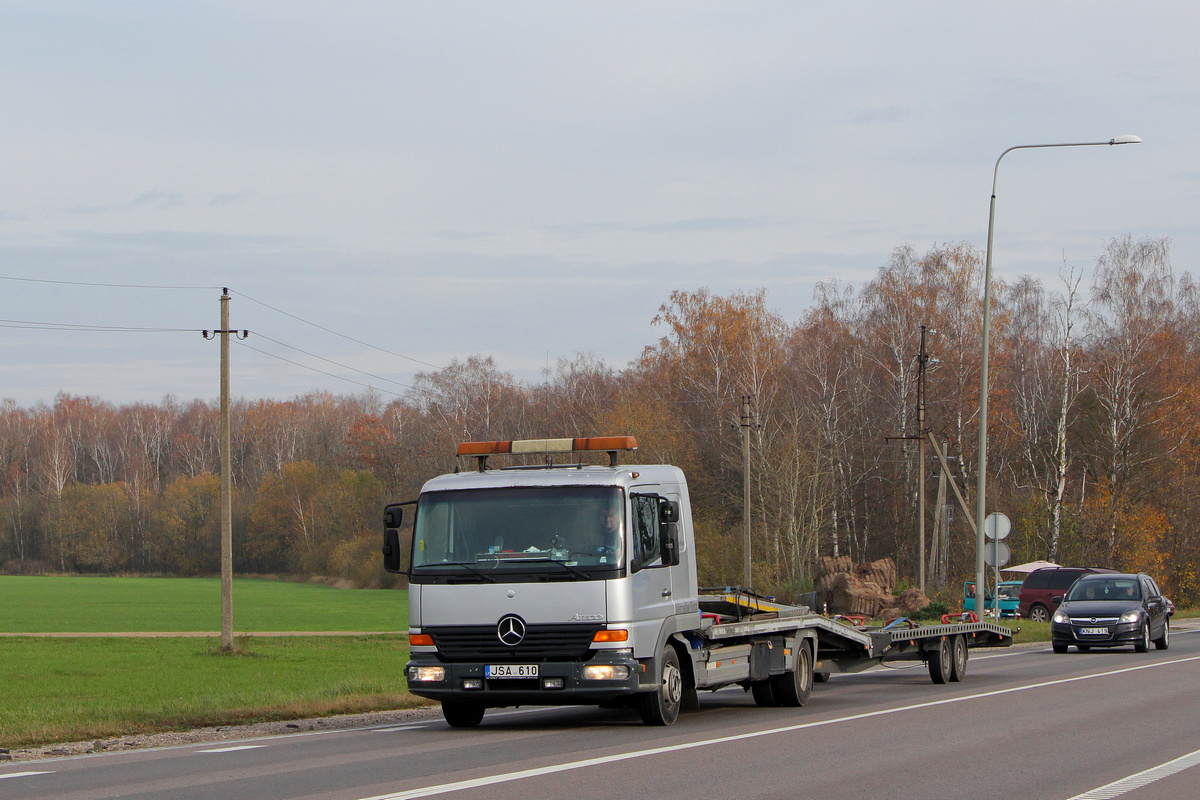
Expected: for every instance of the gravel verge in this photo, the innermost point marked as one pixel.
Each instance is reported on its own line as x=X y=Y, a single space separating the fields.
x=223 y=733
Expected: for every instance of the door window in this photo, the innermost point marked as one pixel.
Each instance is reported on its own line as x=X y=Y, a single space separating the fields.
x=647 y=545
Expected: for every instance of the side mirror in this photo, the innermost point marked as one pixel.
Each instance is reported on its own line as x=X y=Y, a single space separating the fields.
x=669 y=544
x=1056 y=601
x=391 y=550
x=393 y=520
x=668 y=512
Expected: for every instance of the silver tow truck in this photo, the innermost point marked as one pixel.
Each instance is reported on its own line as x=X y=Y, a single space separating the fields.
x=575 y=583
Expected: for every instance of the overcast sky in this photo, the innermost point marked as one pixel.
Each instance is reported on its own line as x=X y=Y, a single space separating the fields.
x=532 y=180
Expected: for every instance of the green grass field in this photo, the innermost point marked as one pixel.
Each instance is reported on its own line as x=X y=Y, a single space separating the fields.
x=56 y=690
x=37 y=604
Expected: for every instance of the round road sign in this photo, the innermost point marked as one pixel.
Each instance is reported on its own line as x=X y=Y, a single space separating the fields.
x=996 y=525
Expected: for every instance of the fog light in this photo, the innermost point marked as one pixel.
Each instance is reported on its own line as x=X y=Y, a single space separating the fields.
x=552 y=683
x=426 y=674
x=605 y=672
x=472 y=683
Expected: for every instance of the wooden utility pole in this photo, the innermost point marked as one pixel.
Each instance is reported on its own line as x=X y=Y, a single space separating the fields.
x=922 y=360
x=226 y=508
x=747 y=422
x=939 y=550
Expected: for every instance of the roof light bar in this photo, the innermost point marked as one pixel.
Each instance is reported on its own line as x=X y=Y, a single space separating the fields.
x=609 y=444
x=538 y=446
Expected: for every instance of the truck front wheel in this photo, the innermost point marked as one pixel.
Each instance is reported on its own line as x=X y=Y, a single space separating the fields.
x=662 y=707
x=794 y=688
x=460 y=714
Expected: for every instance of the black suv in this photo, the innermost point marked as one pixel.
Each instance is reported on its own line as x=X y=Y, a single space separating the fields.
x=1043 y=585
x=1111 y=610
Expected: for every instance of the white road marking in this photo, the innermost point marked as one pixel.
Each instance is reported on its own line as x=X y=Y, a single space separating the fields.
x=397 y=728
x=233 y=749
x=446 y=788
x=1117 y=788
x=24 y=774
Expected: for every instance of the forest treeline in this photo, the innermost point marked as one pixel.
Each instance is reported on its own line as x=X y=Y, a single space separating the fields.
x=1092 y=446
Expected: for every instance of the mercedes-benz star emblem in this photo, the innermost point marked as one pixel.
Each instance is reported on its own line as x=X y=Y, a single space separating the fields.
x=511 y=630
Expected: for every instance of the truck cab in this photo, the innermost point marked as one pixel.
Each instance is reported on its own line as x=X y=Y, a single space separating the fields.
x=546 y=584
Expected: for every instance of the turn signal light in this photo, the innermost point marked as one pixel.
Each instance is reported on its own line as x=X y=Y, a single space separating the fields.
x=420 y=640
x=614 y=635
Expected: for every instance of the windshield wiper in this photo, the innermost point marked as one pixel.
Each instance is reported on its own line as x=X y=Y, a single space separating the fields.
x=474 y=570
x=564 y=565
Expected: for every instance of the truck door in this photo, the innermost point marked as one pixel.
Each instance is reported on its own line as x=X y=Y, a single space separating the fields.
x=653 y=585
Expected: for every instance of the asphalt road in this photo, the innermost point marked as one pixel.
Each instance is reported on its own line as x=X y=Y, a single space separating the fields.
x=1024 y=724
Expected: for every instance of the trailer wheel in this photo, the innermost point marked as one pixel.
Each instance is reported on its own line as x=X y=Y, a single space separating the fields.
x=958 y=669
x=461 y=714
x=792 y=689
x=940 y=662
x=661 y=707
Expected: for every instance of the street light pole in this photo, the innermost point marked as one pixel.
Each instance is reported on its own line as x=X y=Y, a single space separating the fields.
x=981 y=479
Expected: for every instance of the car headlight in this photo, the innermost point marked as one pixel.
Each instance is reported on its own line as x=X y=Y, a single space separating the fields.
x=1061 y=618
x=1133 y=615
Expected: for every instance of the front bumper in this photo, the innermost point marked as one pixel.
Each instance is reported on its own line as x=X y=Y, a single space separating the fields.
x=1123 y=633
x=557 y=683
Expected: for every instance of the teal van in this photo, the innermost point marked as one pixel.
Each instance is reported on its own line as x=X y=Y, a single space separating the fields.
x=1009 y=592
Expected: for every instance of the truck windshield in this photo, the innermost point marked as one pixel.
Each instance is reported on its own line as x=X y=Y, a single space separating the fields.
x=535 y=530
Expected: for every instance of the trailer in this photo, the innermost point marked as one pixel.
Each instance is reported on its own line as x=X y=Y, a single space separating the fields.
x=573 y=583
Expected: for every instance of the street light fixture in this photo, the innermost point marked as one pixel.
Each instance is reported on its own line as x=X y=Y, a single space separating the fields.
x=981 y=486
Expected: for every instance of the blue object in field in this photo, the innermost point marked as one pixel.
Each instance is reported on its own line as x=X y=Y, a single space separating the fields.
x=1010 y=592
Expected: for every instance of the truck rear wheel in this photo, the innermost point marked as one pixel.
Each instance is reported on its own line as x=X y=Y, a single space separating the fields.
x=661 y=707
x=793 y=688
x=764 y=693
x=958 y=669
x=941 y=661
x=461 y=714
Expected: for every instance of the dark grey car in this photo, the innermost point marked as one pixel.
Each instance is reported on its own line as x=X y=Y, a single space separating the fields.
x=1110 y=611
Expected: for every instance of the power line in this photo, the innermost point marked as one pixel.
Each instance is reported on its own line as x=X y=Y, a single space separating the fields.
x=331 y=361
x=320 y=371
x=71 y=326
x=336 y=333
x=105 y=285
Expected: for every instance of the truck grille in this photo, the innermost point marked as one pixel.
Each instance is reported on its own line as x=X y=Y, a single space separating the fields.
x=541 y=643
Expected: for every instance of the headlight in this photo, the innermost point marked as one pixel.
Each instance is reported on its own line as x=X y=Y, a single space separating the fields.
x=423 y=674
x=1133 y=615
x=1061 y=618
x=605 y=672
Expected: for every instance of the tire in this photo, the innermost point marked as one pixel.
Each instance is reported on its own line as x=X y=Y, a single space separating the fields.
x=1143 y=643
x=793 y=689
x=958 y=664
x=1039 y=613
x=1164 y=641
x=764 y=694
x=460 y=714
x=1059 y=648
x=661 y=707
x=941 y=662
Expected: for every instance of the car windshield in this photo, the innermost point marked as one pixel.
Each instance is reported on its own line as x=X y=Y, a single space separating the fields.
x=1105 y=589
x=1009 y=592
x=570 y=531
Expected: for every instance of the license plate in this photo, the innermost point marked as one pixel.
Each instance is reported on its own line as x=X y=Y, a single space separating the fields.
x=511 y=670
x=1093 y=631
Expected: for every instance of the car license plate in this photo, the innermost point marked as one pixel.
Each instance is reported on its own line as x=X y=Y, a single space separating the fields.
x=511 y=670
x=1093 y=631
